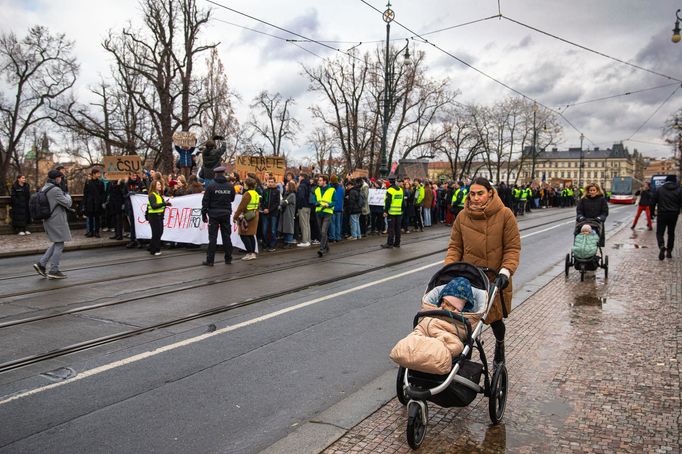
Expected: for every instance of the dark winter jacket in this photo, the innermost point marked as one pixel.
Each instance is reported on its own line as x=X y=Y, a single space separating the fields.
x=218 y=198
x=270 y=201
x=668 y=198
x=646 y=198
x=21 y=217
x=354 y=205
x=93 y=197
x=593 y=208
x=211 y=159
x=303 y=195
x=116 y=196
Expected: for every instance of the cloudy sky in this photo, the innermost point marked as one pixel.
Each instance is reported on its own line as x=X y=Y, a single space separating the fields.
x=552 y=72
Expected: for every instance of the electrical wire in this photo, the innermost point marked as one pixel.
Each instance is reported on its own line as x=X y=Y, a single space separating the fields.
x=590 y=50
x=655 y=111
x=617 y=96
x=279 y=28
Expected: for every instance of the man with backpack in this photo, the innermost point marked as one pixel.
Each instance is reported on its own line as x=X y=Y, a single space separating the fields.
x=50 y=205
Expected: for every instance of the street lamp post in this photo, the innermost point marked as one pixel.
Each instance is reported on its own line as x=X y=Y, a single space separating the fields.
x=388 y=17
x=676 y=31
x=535 y=143
x=678 y=152
x=580 y=172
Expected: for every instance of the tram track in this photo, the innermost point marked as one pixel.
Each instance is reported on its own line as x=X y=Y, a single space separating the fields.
x=193 y=284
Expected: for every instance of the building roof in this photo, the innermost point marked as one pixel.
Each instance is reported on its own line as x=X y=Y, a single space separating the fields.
x=618 y=151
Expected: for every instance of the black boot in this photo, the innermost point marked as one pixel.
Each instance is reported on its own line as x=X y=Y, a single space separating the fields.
x=499 y=353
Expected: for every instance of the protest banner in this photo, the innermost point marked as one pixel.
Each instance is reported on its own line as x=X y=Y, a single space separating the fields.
x=261 y=166
x=360 y=173
x=182 y=222
x=119 y=167
x=185 y=139
x=413 y=168
x=376 y=197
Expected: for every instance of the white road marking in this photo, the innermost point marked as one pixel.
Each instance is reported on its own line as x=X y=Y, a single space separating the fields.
x=227 y=329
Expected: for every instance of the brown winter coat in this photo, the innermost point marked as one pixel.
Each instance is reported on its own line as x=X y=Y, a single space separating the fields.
x=428 y=198
x=241 y=209
x=488 y=238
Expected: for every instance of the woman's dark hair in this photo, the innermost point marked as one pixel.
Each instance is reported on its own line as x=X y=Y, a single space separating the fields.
x=482 y=182
x=250 y=183
x=19 y=176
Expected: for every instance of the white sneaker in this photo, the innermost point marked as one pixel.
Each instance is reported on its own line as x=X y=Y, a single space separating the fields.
x=315 y=242
x=250 y=257
x=27 y=232
x=303 y=244
x=105 y=229
x=157 y=253
x=21 y=234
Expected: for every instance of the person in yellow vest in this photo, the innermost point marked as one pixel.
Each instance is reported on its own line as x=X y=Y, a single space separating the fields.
x=459 y=198
x=156 y=207
x=394 y=206
x=324 y=209
x=246 y=217
x=419 y=194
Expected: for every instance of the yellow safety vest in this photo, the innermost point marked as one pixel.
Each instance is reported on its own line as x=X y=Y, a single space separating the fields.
x=159 y=200
x=326 y=200
x=397 y=195
x=464 y=197
x=254 y=202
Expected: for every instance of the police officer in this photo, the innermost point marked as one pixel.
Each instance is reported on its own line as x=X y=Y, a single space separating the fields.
x=216 y=208
x=394 y=205
x=459 y=198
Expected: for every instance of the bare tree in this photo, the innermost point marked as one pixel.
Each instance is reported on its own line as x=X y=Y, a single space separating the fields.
x=41 y=69
x=163 y=54
x=276 y=124
x=219 y=117
x=462 y=144
x=323 y=144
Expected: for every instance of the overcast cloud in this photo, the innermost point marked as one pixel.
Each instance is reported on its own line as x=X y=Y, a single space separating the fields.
x=550 y=71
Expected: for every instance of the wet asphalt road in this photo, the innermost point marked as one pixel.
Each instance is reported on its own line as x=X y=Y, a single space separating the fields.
x=238 y=391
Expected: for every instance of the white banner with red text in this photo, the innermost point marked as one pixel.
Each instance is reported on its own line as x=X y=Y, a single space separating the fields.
x=182 y=221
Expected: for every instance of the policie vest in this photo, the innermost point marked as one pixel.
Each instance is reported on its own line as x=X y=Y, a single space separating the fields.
x=397 y=196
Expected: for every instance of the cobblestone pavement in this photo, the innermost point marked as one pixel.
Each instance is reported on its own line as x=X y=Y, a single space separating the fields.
x=594 y=367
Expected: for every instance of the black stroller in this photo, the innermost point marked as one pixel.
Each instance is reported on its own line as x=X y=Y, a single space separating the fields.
x=461 y=386
x=598 y=260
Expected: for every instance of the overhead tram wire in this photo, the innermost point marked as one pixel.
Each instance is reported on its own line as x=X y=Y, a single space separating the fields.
x=212 y=2
x=508 y=87
x=590 y=50
x=616 y=96
x=655 y=112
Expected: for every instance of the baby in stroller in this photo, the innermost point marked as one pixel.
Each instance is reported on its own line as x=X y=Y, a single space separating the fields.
x=585 y=244
x=433 y=343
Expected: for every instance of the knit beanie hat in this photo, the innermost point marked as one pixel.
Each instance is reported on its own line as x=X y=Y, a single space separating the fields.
x=459 y=287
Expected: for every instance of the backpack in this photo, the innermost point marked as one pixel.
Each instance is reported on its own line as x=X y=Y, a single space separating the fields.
x=39 y=205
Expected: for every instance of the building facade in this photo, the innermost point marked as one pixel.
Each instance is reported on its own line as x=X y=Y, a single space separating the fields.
x=576 y=166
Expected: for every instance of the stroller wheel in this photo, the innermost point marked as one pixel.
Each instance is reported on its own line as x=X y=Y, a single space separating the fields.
x=416 y=425
x=498 y=394
x=606 y=267
x=568 y=263
x=582 y=273
x=400 y=392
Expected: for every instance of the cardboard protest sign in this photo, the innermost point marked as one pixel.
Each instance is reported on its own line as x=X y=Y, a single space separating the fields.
x=261 y=166
x=357 y=173
x=118 y=167
x=413 y=168
x=185 y=139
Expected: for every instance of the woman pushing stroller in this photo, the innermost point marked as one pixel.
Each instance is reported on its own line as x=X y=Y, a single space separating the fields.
x=593 y=205
x=486 y=234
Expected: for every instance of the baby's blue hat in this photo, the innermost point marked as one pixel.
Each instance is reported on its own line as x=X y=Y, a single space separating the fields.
x=459 y=287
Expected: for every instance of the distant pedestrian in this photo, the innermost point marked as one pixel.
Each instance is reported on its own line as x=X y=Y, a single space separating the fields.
x=324 y=209
x=216 y=210
x=21 y=216
x=56 y=226
x=116 y=206
x=593 y=205
x=667 y=202
x=211 y=156
x=486 y=234
x=646 y=200
x=156 y=208
x=94 y=197
x=355 y=204
x=270 y=208
x=287 y=218
x=394 y=207
x=304 y=207
x=246 y=218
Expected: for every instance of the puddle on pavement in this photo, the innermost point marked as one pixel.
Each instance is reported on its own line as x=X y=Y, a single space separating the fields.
x=608 y=305
x=628 y=246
